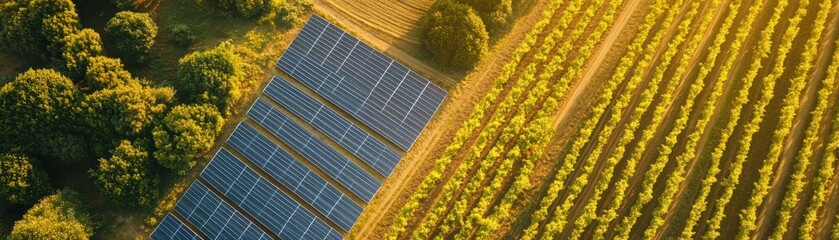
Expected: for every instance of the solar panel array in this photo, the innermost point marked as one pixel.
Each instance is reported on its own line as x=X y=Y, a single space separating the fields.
x=324 y=157
x=370 y=86
x=333 y=125
x=281 y=180
x=214 y=217
x=292 y=174
x=268 y=204
x=172 y=228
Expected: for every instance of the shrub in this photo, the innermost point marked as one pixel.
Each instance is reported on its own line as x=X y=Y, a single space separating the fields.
x=182 y=35
x=20 y=182
x=185 y=133
x=496 y=14
x=211 y=76
x=454 y=34
x=123 y=112
x=127 y=177
x=37 y=27
x=37 y=106
x=107 y=73
x=78 y=49
x=62 y=215
x=133 y=34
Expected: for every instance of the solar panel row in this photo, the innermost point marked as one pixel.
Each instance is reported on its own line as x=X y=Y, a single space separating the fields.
x=345 y=133
x=214 y=217
x=256 y=195
x=292 y=174
x=173 y=229
x=380 y=92
x=324 y=157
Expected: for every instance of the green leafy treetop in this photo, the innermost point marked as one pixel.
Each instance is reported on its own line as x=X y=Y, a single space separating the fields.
x=132 y=34
x=185 y=133
x=211 y=76
x=61 y=216
x=78 y=50
x=497 y=15
x=124 y=112
x=127 y=177
x=37 y=107
x=20 y=182
x=37 y=27
x=454 y=34
x=107 y=73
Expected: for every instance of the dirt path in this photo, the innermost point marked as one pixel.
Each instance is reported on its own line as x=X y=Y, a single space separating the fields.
x=792 y=144
x=380 y=213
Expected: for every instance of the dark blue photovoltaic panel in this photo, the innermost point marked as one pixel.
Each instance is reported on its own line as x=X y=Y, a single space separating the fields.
x=214 y=217
x=345 y=133
x=358 y=181
x=264 y=201
x=173 y=229
x=378 y=91
x=295 y=176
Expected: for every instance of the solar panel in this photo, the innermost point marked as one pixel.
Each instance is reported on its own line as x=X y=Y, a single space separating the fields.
x=262 y=200
x=295 y=176
x=173 y=229
x=347 y=173
x=351 y=137
x=214 y=217
x=380 y=92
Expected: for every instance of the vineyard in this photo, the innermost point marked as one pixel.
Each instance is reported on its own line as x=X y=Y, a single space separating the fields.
x=653 y=119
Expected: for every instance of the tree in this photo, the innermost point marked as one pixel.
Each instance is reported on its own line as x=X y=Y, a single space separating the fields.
x=61 y=216
x=127 y=177
x=132 y=33
x=454 y=34
x=38 y=106
x=106 y=73
x=185 y=133
x=124 y=4
x=497 y=15
x=211 y=76
x=123 y=113
x=21 y=182
x=78 y=49
x=182 y=35
x=37 y=27
x=252 y=8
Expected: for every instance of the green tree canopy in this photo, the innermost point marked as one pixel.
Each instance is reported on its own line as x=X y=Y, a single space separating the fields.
x=454 y=34
x=211 y=76
x=123 y=113
x=127 y=177
x=124 y=4
x=107 y=73
x=37 y=106
x=20 y=181
x=37 y=27
x=61 y=216
x=184 y=134
x=497 y=15
x=132 y=34
x=78 y=49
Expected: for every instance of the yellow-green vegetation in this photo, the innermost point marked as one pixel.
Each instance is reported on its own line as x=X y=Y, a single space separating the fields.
x=62 y=215
x=22 y=181
x=826 y=170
